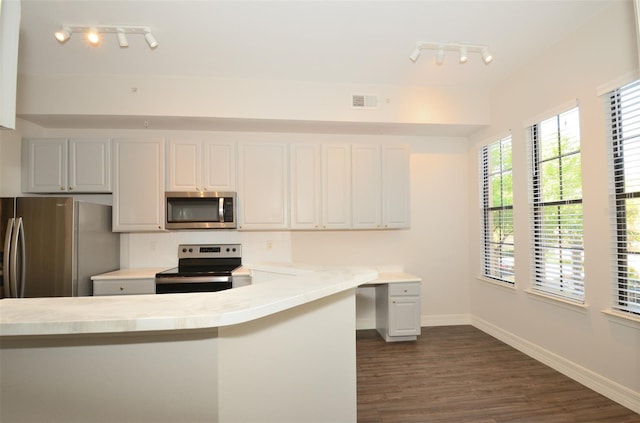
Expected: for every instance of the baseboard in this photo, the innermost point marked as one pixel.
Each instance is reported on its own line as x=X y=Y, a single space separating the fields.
x=592 y=380
x=445 y=320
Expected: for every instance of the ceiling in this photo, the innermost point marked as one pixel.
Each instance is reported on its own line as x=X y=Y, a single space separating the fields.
x=344 y=42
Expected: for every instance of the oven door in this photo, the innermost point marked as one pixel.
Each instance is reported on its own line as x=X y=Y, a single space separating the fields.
x=181 y=284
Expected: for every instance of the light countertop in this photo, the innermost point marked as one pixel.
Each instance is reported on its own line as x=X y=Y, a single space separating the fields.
x=136 y=313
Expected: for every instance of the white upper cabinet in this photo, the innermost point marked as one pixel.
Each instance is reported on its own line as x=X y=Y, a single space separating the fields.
x=197 y=165
x=63 y=165
x=218 y=166
x=306 y=193
x=395 y=186
x=138 y=195
x=263 y=178
x=336 y=186
x=366 y=192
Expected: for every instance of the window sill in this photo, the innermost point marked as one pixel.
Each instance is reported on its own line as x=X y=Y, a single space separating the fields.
x=497 y=283
x=557 y=301
x=622 y=318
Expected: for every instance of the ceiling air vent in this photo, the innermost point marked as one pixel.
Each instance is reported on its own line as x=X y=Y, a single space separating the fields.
x=362 y=101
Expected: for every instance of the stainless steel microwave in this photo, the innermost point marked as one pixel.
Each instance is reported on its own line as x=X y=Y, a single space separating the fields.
x=200 y=210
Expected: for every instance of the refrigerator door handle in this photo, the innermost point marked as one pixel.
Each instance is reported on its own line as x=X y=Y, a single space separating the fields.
x=16 y=278
x=6 y=272
x=23 y=258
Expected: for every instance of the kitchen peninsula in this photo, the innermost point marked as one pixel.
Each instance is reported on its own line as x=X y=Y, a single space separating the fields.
x=282 y=350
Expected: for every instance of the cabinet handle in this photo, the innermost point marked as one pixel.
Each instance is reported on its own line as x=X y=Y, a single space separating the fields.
x=61 y=188
x=70 y=188
x=122 y=288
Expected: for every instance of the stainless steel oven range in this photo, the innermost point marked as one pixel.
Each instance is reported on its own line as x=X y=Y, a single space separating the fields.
x=201 y=268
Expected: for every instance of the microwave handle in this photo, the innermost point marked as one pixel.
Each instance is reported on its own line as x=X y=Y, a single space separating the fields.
x=221 y=209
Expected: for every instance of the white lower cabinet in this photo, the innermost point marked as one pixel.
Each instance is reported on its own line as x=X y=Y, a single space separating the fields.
x=398 y=311
x=124 y=286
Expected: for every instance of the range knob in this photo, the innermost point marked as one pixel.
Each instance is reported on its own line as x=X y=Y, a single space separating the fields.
x=184 y=250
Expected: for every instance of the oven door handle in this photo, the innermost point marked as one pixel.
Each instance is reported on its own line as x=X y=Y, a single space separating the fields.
x=192 y=279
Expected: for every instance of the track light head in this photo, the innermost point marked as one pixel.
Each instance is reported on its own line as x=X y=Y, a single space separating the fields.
x=440 y=55
x=486 y=56
x=122 y=39
x=62 y=35
x=415 y=54
x=463 y=54
x=93 y=37
x=151 y=40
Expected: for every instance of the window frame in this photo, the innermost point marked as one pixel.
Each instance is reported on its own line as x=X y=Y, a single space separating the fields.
x=619 y=194
x=568 y=284
x=490 y=268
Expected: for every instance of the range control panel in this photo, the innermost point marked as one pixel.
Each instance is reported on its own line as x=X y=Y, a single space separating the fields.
x=209 y=250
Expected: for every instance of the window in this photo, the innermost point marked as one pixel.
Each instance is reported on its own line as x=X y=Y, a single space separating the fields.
x=556 y=206
x=497 y=210
x=625 y=168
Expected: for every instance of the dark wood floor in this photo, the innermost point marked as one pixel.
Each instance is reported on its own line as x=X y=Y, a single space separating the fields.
x=460 y=374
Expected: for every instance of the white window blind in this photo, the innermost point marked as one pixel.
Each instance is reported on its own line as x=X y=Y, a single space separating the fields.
x=624 y=135
x=497 y=210
x=555 y=197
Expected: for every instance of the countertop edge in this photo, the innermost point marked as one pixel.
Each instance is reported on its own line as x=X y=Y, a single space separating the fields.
x=167 y=312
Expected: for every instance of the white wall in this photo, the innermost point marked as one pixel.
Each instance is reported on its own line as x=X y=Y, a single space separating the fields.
x=583 y=340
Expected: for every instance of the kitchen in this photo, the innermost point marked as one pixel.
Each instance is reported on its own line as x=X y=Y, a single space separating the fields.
x=440 y=124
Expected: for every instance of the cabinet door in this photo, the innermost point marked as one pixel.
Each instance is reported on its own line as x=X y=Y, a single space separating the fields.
x=46 y=164
x=366 y=186
x=90 y=165
x=138 y=197
x=263 y=201
x=218 y=166
x=404 y=315
x=306 y=195
x=336 y=186
x=395 y=186
x=183 y=166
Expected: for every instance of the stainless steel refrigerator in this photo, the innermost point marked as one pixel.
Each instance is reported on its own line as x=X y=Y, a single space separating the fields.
x=53 y=245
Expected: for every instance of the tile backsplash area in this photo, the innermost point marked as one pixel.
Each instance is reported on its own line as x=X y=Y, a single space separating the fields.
x=138 y=250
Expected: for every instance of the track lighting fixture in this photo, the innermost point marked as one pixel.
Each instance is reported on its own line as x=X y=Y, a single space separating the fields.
x=462 y=49
x=93 y=33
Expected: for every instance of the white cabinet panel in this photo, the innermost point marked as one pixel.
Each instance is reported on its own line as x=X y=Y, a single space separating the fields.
x=90 y=165
x=62 y=165
x=46 y=164
x=306 y=195
x=263 y=200
x=398 y=311
x=138 y=200
x=336 y=186
x=195 y=165
x=395 y=186
x=183 y=166
x=366 y=186
x=219 y=166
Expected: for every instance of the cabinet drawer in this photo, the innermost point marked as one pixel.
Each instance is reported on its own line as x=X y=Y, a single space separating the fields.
x=124 y=287
x=409 y=288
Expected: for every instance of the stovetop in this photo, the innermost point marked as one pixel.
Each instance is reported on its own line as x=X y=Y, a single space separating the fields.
x=206 y=260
